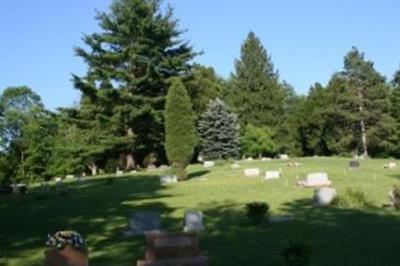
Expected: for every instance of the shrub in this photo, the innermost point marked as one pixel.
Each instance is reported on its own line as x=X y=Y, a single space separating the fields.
x=352 y=198
x=297 y=254
x=257 y=211
x=257 y=142
x=180 y=130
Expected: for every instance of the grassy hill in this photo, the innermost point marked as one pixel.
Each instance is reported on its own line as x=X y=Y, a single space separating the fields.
x=360 y=235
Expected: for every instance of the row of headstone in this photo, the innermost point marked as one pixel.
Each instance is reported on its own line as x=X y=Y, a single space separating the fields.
x=145 y=222
x=254 y=172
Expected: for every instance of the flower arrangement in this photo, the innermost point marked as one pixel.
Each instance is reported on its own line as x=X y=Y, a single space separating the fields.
x=63 y=238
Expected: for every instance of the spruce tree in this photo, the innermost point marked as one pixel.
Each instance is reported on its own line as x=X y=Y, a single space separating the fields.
x=180 y=129
x=123 y=92
x=256 y=94
x=218 y=129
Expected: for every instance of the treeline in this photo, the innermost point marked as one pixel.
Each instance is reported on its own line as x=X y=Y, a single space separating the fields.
x=119 y=122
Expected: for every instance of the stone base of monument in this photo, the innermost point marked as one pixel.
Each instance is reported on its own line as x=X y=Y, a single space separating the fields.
x=173 y=249
x=197 y=261
x=67 y=256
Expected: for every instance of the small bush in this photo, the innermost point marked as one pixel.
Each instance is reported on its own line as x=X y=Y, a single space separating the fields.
x=352 y=198
x=257 y=211
x=297 y=254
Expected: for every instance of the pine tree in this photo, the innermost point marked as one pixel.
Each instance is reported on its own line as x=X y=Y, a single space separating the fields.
x=256 y=94
x=124 y=89
x=180 y=129
x=366 y=105
x=219 y=132
x=203 y=86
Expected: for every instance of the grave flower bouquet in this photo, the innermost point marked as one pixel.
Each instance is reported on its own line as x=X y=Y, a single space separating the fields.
x=61 y=239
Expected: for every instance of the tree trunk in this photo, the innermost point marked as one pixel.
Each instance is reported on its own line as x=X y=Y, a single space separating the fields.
x=130 y=159
x=362 y=126
x=130 y=162
x=93 y=168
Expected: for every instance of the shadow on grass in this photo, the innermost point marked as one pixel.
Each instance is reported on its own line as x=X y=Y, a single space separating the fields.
x=99 y=209
x=337 y=236
x=95 y=208
x=198 y=174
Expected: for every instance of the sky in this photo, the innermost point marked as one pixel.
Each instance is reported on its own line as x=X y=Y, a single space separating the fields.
x=306 y=39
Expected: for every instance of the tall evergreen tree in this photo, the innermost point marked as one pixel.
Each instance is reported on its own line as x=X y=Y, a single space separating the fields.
x=123 y=91
x=203 y=86
x=256 y=94
x=218 y=129
x=180 y=129
x=367 y=104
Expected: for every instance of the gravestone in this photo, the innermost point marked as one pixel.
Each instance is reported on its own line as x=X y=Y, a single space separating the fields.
x=163 y=167
x=324 y=196
x=57 y=179
x=69 y=176
x=266 y=159
x=251 y=172
x=144 y=222
x=208 y=164
x=193 y=221
x=353 y=164
x=119 y=172
x=249 y=159
x=284 y=157
x=318 y=179
x=272 y=175
x=390 y=166
x=173 y=249
x=235 y=166
x=166 y=180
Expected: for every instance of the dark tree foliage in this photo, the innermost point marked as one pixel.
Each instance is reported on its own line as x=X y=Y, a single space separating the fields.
x=203 y=86
x=123 y=92
x=256 y=95
x=180 y=129
x=218 y=129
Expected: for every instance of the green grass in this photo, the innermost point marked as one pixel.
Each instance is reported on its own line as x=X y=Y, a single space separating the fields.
x=339 y=236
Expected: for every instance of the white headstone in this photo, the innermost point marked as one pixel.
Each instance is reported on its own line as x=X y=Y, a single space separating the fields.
x=284 y=157
x=235 y=166
x=324 y=196
x=391 y=165
x=193 y=221
x=69 y=176
x=208 y=164
x=119 y=172
x=318 y=179
x=272 y=175
x=166 y=180
x=249 y=159
x=251 y=172
x=265 y=159
x=57 y=179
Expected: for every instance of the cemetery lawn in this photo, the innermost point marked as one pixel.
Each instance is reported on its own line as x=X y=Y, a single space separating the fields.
x=98 y=209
